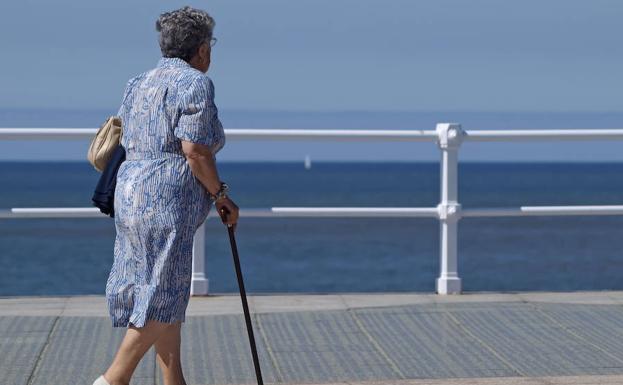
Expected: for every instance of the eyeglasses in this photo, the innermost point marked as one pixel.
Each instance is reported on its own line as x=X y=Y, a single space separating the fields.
x=212 y=41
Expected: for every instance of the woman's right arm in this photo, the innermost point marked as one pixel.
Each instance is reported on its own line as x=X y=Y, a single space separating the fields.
x=197 y=129
x=203 y=166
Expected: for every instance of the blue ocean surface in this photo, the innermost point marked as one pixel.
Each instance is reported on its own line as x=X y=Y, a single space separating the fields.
x=322 y=255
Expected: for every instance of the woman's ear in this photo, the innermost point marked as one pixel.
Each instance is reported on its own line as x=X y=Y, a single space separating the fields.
x=204 y=53
x=203 y=50
x=201 y=60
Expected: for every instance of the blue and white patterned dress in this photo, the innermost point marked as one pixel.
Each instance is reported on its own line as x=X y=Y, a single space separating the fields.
x=159 y=203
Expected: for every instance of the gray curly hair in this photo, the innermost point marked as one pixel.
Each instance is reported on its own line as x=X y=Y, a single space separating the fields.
x=182 y=31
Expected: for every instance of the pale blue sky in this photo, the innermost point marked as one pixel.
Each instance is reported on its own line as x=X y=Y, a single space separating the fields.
x=418 y=61
x=490 y=55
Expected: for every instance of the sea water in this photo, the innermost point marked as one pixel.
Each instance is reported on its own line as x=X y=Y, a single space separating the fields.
x=55 y=256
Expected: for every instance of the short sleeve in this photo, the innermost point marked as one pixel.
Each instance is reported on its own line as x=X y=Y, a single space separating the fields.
x=198 y=120
x=125 y=100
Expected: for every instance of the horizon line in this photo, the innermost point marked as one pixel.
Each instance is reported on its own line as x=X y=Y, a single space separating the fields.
x=347 y=110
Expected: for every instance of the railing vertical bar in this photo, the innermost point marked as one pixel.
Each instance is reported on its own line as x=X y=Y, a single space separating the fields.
x=449 y=140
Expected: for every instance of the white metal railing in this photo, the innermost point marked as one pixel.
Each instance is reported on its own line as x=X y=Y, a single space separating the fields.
x=448 y=137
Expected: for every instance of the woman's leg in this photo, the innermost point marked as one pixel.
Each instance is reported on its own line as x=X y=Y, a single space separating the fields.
x=168 y=354
x=135 y=344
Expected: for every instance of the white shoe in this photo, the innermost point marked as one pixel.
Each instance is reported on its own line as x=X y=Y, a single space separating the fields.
x=101 y=381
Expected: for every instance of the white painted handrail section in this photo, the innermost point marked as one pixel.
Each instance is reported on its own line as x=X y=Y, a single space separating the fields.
x=355 y=211
x=517 y=135
x=525 y=211
x=448 y=136
x=94 y=212
x=237 y=133
x=335 y=134
x=46 y=133
x=337 y=212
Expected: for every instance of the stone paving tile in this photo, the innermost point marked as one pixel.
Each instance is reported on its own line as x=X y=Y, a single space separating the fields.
x=81 y=348
x=424 y=342
x=322 y=346
x=217 y=351
x=275 y=303
x=579 y=297
x=596 y=325
x=384 y=299
x=21 y=342
x=533 y=343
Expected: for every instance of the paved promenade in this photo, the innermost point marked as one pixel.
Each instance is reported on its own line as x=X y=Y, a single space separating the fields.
x=525 y=338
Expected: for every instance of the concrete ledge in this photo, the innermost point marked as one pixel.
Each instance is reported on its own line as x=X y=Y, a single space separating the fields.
x=229 y=303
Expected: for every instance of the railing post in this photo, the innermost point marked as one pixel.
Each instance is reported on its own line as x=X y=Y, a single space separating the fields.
x=199 y=283
x=450 y=136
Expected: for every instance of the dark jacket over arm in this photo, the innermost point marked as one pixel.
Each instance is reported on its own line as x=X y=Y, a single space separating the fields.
x=104 y=195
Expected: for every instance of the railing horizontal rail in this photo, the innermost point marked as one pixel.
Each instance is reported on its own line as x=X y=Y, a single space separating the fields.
x=543 y=211
x=237 y=133
x=515 y=135
x=340 y=134
x=46 y=133
x=319 y=134
x=357 y=211
x=390 y=212
x=94 y=212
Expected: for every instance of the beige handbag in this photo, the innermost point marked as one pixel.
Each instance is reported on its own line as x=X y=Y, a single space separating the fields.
x=106 y=140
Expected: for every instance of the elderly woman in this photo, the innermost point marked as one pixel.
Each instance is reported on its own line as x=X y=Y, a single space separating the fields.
x=164 y=191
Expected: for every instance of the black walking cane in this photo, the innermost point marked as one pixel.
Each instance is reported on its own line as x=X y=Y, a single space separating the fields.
x=243 y=296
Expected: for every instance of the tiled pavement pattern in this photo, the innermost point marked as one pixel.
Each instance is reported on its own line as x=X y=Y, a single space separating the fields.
x=516 y=338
